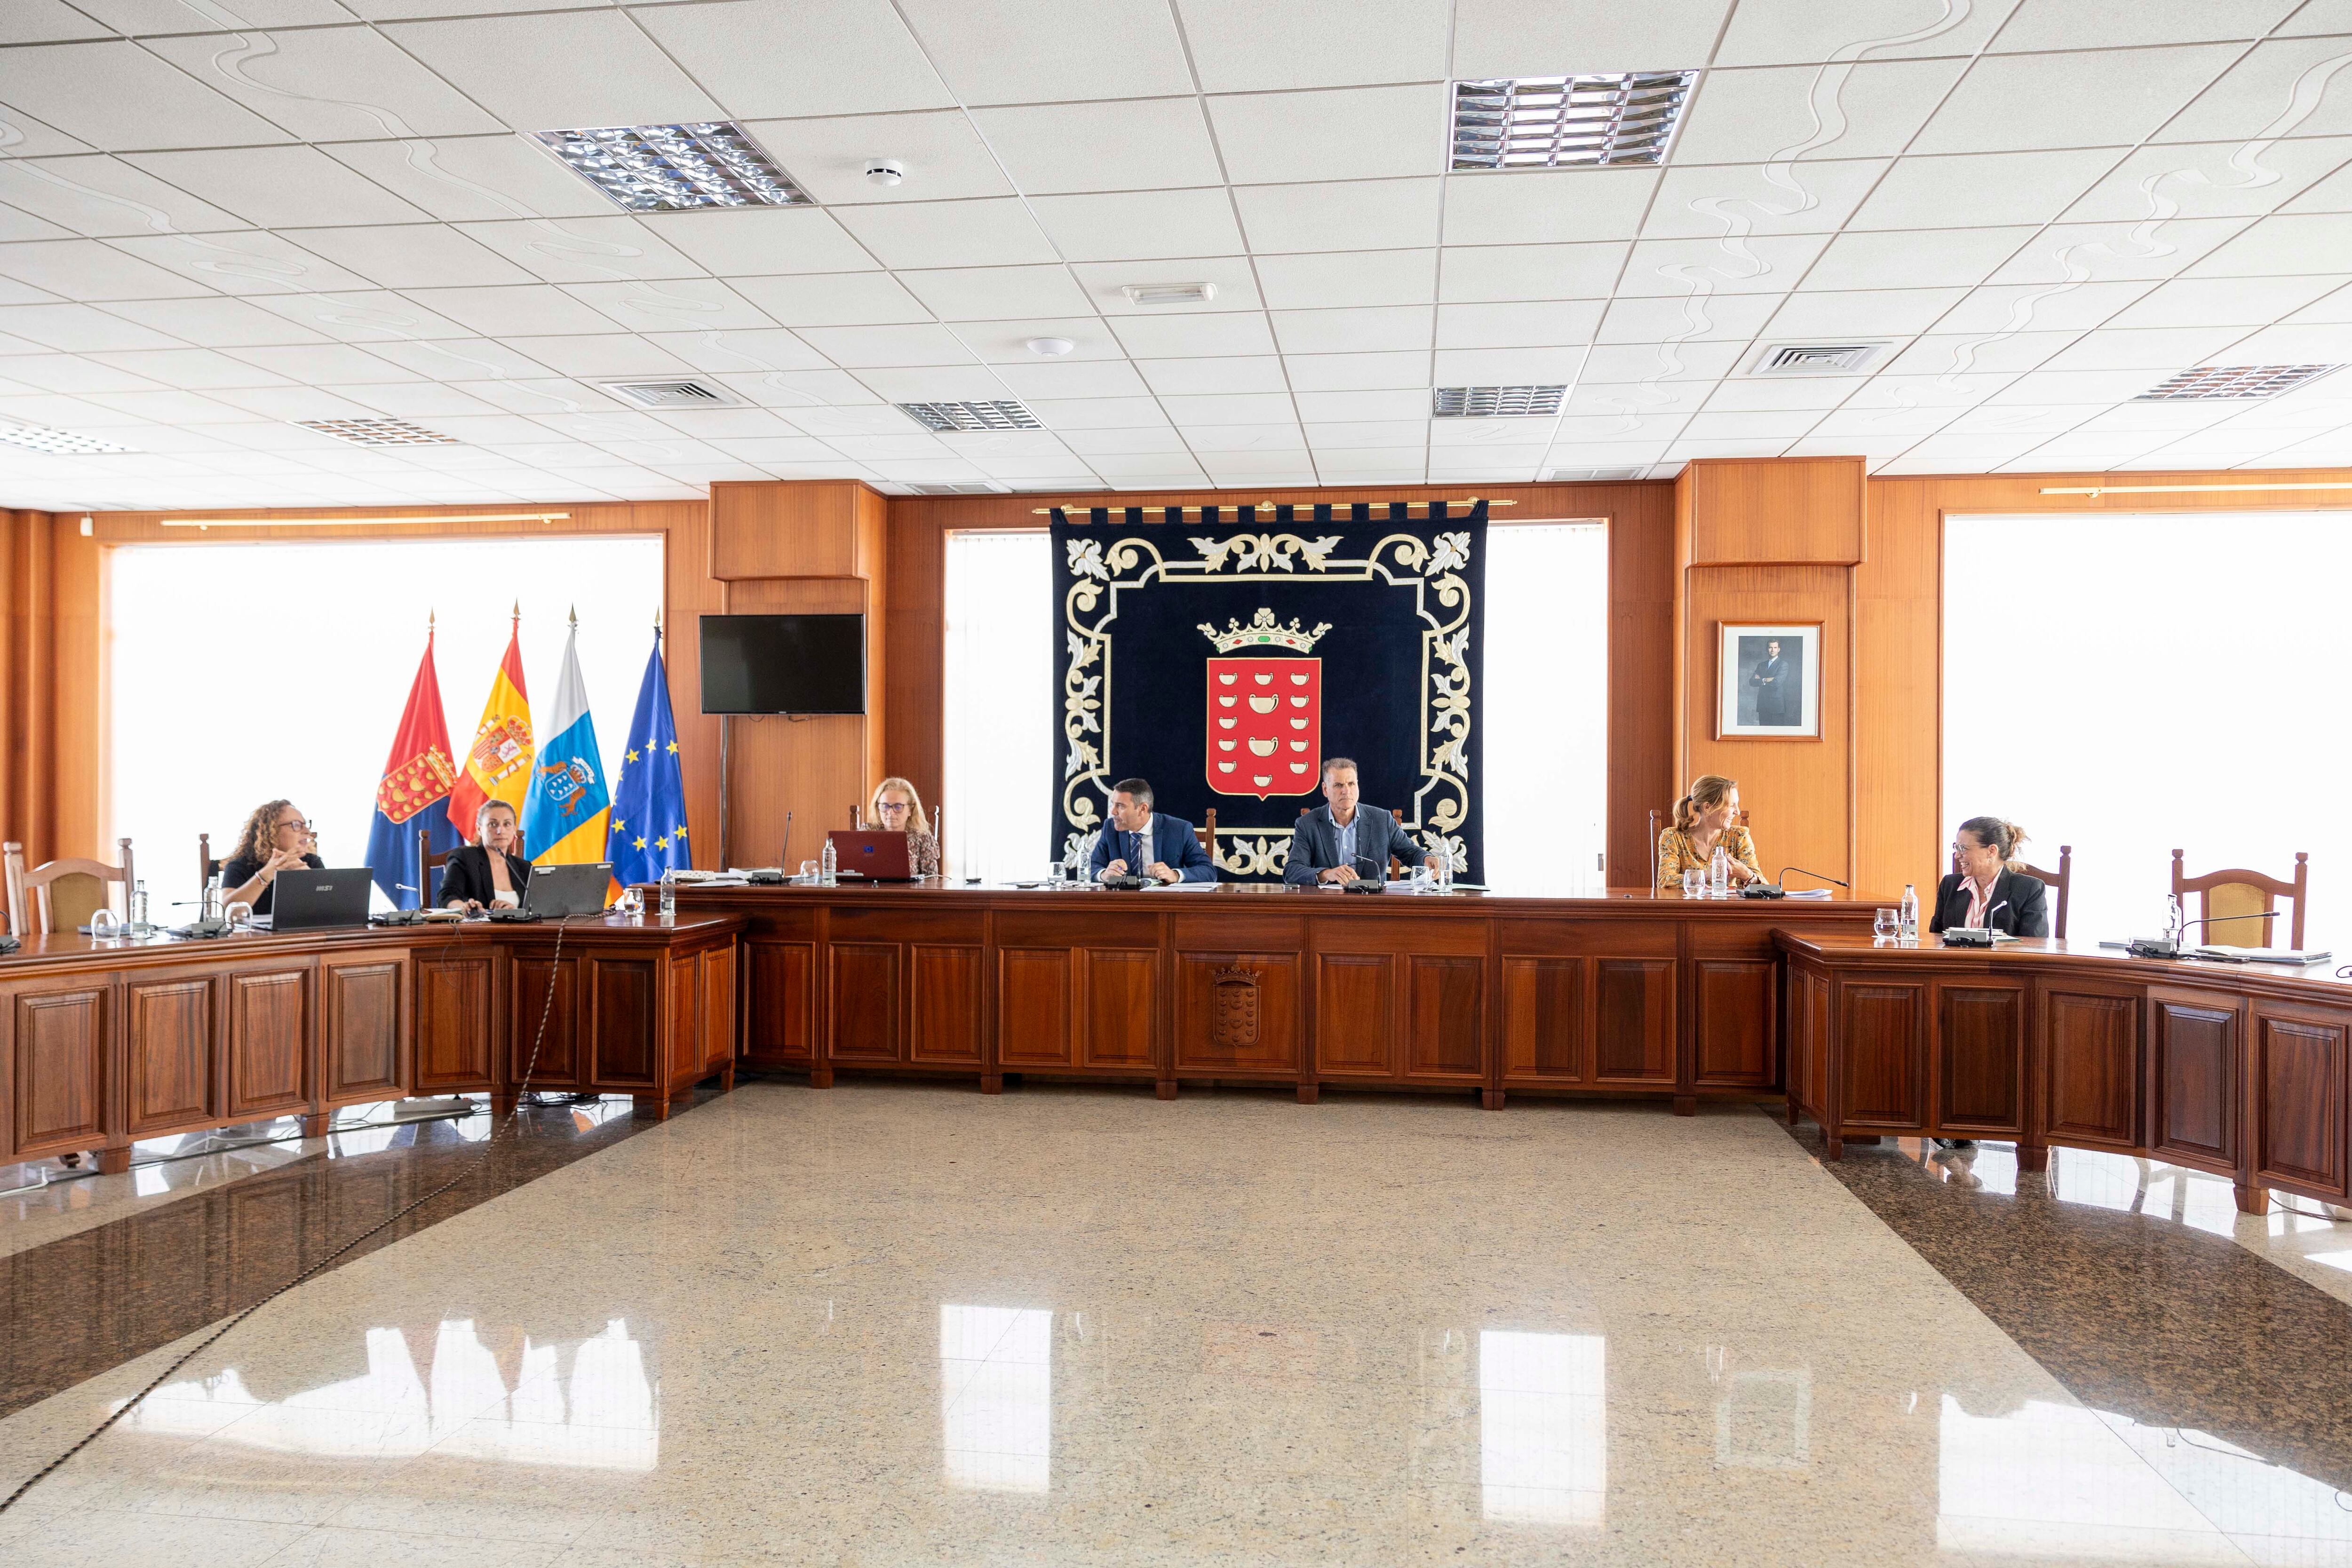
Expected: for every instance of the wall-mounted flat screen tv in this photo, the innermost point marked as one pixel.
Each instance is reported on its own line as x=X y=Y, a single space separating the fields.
x=783 y=664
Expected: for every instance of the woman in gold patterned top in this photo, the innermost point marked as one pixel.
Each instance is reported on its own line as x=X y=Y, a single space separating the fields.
x=897 y=808
x=1703 y=823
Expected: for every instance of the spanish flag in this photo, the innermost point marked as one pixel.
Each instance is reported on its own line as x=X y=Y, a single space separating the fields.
x=499 y=763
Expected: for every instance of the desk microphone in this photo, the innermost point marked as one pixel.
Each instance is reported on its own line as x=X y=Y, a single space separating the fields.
x=1775 y=890
x=2169 y=946
x=1974 y=936
x=207 y=925
x=784 y=871
x=1376 y=883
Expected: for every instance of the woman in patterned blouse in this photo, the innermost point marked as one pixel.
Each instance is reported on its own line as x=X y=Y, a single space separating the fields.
x=897 y=808
x=1704 y=822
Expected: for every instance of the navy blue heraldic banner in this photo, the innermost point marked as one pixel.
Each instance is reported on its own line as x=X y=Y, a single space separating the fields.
x=1220 y=653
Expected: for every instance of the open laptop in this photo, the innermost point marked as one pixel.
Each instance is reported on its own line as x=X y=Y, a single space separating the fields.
x=555 y=891
x=877 y=856
x=304 y=900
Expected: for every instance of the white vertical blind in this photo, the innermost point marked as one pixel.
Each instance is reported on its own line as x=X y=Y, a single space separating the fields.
x=239 y=673
x=2134 y=684
x=1545 y=707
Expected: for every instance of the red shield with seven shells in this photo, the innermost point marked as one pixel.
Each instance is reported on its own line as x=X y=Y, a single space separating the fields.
x=1266 y=725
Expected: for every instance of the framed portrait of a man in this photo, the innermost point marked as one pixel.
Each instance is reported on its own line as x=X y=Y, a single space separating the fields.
x=1769 y=682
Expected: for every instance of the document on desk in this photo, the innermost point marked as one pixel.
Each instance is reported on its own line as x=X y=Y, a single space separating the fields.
x=1180 y=888
x=2287 y=955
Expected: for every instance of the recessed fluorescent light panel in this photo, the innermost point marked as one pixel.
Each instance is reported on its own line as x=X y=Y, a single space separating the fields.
x=2234 y=381
x=1588 y=476
x=1168 y=294
x=1817 y=359
x=676 y=168
x=1567 y=121
x=975 y=488
x=41 y=438
x=1496 y=402
x=673 y=394
x=379 y=432
x=1005 y=414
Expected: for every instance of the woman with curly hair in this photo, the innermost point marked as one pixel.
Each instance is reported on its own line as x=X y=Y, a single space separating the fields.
x=275 y=839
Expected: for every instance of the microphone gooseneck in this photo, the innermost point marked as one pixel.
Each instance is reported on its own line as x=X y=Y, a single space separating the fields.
x=1816 y=876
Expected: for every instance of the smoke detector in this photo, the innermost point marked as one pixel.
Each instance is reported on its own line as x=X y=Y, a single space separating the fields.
x=885 y=171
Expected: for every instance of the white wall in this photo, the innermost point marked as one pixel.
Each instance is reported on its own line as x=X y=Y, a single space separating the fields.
x=301 y=694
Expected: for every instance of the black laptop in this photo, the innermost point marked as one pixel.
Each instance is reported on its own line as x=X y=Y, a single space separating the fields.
x=555 y=891
x=304 y=900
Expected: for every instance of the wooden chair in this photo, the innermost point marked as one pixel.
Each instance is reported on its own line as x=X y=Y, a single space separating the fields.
x=2060 y=882
x=428 y=863
x=205 y=864
x=2231 y=903
x=61 y=895
x=1207 y=832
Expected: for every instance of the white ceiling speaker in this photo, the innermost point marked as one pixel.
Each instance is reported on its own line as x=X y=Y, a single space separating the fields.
x=1050 y=348
x=885 y=171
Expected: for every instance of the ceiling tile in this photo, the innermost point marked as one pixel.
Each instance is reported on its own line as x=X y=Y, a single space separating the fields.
x=1370 y=330
x=1767 y=264
x=1357 y=215
x=2068 y=251
x=1793 y=32
x=82 y=329
x=1399 y=403
x=1508 y=367
x=246 y=261
x=1357 y=373
x=1515 y=326
x=1983 y=189
x=1867 y=110
x=749 y=353
x=997 y=293
x=1122 y=443
x=44 y=21
x=2285 y=245
x=859 y=348
x=797 y=57
x=748 y=242
x=1140 y=225
x=482 y=178
x=212 y=324
x=88 y=270
x=1925 y=258
x=1006 y=341
x=1961 y=353
x=1058 y=148
x=942 y=156
x=2015 y=307
x=1474 y=274
x=611 y=74
x=1242 y=46
x=1339 y=133
x=324 y=365
x=1183 y=337
x=600 y=354
x=1660 y=318
x=1363 y=439
x=1535 y=206
x=1505 y=37
x=1067 y=415
x=411 y=256
x=1348 y=278
x=1736 y=395
x=2228 y=302
x=2212 y=179
x=2314 y=344
x=191 y=369
x=674 y=305
x=584 y=250
x=72 y=372
x=948 y=234
x=525 y=311
x=1064 y=379
x=2278 y=88
x=322 y=83
x=1050 y=50
x=360 y=316
x=1712 y=201
x=1232 y=276
x=2012 y=103
x=833 y=300
x=1240 y=373
x=116 y=95
x=1637 y=363
x=100 y=196
x=2040 y=25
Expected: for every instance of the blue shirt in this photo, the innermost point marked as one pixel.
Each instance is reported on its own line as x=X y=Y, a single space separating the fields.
x=1348 y=840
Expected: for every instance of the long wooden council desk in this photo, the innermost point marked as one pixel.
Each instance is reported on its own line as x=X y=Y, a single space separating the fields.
x=103 y=1044
x=2238 y=1069
x=1622 y=996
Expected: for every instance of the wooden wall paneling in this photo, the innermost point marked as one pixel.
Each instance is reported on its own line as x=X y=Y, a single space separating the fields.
x=1751 y=512
x=810 y=529
x=1642 y=674
x=944 y=1003
x=1980 y=1035
x=915 y=619
x=362 y=1006
x=169 y=1052
x=58 y=1048
x=1882 y=1088
x=453 y=1022
x=1898 y=681
x=873 y=522
x=28 y=693
x=815 y=768
x=2298 y=1090
x=2091 y=1068
x=268 y=1040
x=2194 y=1048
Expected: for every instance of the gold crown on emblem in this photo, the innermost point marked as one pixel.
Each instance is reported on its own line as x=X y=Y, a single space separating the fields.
x=1263 y=631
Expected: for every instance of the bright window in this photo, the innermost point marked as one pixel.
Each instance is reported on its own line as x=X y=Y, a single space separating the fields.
x=2134 y=684
x=243 y=673
x=1545 y=704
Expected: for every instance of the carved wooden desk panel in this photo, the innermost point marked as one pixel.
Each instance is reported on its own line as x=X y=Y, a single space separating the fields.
x=102 y=1044
x=1472 y=992
x=2238 y=1069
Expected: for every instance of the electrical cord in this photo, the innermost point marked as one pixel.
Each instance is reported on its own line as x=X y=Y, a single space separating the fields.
x=490 y=1143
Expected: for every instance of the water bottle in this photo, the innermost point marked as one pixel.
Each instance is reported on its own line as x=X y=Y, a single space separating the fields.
x=668 y=896
x=211 y=909
x=138 y=926
x=828 y=866
x=1910 y=912
x=1718 y=872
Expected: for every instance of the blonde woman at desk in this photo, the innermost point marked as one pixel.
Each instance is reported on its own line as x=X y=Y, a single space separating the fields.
x=897 y=808
x=1705 y=821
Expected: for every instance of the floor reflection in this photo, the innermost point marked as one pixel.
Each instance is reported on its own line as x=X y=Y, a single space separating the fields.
x=996 y=1397
x=1543 y=1426
x=585 y=1403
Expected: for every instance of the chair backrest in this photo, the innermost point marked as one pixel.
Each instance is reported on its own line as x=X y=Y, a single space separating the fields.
x=2233 y=903
x=205 y=864
x=2060 y=882
x=61 y=895
x=428 y=863
x=1207 y=832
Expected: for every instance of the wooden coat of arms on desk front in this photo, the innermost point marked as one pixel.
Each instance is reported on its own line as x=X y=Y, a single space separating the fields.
x=1232 y=1021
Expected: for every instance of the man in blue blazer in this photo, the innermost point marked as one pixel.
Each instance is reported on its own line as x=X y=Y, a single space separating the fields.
x=1345 y=839
x=1140 y=842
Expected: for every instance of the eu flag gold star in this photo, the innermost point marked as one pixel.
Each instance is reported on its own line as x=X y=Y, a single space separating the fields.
x=673 y=746
x=638 y=843
x=632 y=757
x=661 y=843
x=680 y=830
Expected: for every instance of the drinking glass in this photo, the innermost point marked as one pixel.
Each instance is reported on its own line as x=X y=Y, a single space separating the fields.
x=808 y=871
x=105 y=925
x=239 y=916
x=1053 y=875
x=630 y=902
x=1887 y=925
x=1693 y=883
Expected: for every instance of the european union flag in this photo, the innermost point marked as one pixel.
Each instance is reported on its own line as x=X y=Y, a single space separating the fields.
x=648 y=835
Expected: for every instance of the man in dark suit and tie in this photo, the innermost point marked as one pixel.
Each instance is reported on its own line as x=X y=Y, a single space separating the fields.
x=1140 y=842
x=1778 y=699
x=1347 y=840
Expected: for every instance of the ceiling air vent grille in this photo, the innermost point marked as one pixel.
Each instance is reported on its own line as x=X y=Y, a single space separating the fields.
x=2233 y=381
x=1817 y=359
x=1591 y=476
x=976 y=488
x=1496 y=402
x=41 y=438
x=672 y=394
x=1003 y=414
x=379 y=432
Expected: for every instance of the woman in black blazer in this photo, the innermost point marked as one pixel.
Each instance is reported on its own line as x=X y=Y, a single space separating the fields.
x=470 y=879
x=1984 y=891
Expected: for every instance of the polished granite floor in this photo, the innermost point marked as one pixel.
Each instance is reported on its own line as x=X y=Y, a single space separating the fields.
x=889 y=1323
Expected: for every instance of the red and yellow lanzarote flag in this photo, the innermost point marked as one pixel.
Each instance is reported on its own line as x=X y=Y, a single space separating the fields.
x=497 y=764
x=410 y=795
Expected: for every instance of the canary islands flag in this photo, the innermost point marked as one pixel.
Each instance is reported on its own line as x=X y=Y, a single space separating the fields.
x=649 y=792
x=413 y=791
x=563 y=822
x=497 y=764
